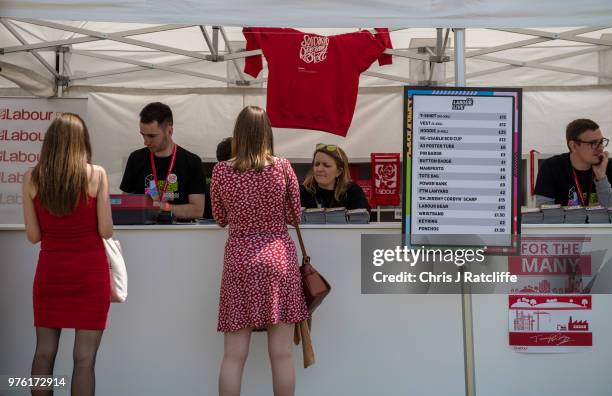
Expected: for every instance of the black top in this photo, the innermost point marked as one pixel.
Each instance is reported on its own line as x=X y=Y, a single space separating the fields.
x=556 y=180
x=353 y=199
x=186 y=177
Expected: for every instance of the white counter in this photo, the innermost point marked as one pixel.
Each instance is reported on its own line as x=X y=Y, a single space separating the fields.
x=163 y=341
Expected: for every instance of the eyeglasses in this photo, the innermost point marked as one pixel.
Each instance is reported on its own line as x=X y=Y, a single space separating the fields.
x=595 y=143
x=326 y=147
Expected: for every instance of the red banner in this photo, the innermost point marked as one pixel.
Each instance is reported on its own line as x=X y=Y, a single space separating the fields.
x=386 y=176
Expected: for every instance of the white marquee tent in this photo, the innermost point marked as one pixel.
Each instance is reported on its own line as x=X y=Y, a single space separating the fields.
x=120 y=61
x=122 y=54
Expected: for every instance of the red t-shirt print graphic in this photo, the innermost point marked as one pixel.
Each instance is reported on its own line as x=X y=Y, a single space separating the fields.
x=312 y=79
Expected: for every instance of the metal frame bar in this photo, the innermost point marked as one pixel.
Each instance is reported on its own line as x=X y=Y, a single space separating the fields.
x=231 y=55
x=36 y=55
x=93 y=36
x=230 y=51
x=389 y=77
x=117 y=38
x=542 y=37
x=571 y=35
x=59 y=58
x=207 y=39
x=440 y=51
x=130 y=69
x=151 y=66
x=537 y=64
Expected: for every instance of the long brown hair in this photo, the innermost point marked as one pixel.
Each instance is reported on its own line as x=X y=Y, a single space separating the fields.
x=342 y=181
x=60 y=177
x=253 y=143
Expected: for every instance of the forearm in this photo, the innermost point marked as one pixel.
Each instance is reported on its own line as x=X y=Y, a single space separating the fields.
x=542 y=200
x=187 y=211
x=604 y=191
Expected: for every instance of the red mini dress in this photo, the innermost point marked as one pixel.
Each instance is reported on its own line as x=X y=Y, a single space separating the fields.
x=72 y=281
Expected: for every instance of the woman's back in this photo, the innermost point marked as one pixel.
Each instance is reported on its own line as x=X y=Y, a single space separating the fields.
x=72 y=285
x=253 y=202
x=76 y=231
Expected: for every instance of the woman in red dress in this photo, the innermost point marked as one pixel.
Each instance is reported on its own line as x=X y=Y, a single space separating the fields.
x=261 y=287
x=67 y=209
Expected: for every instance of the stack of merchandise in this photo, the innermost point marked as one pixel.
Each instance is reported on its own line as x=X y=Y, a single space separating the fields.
x=358 y=216
x=335 y=216
x=531 y=215
x=575 y=214
x=553 y=214
x=597 y=215
x=314 y=216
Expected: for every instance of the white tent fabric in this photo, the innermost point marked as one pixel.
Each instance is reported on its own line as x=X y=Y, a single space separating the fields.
x=206 y=108
x=29 y=80
x=336 y=13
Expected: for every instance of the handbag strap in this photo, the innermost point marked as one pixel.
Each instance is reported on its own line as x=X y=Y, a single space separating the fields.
x=305 y=257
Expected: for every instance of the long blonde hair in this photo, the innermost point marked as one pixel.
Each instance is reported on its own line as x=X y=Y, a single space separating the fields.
x=253 y=143
x=342 y=181
x=60 y=177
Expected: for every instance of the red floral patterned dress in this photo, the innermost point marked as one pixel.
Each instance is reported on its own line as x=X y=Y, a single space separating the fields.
x=261 y=283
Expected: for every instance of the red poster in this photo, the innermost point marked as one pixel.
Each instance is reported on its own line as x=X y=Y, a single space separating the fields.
x=550 y=322
x=386 y=176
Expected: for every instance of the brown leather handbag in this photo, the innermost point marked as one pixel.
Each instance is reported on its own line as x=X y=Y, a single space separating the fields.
x=316 y=287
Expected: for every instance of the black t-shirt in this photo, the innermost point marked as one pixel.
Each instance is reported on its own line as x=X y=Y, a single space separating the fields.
x=353 y=199
x=556 y=180
x=186 y=178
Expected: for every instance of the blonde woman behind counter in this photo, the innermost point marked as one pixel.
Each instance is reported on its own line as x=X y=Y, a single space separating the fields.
x=328 y=184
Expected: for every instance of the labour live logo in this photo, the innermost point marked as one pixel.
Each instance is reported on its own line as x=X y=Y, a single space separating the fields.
x=459 y=104
x=313 y=49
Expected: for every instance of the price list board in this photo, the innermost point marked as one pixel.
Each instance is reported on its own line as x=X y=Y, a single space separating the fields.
x=462 y=154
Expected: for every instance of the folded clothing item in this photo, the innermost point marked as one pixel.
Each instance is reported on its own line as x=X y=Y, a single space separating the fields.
x=553 y=214
x=314 y=216
x=358 y=216
x=335 y=216
x=597 y=215
x=575 y=214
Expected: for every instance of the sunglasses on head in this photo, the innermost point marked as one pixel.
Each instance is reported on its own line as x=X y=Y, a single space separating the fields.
x=326 y=147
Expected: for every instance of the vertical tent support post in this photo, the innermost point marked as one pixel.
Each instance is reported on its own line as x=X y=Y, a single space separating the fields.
x=59 y=67
x=466 y=295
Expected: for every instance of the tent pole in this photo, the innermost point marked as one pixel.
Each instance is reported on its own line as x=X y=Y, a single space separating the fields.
x=59 y=67
x=466 y=293
x=459 y=57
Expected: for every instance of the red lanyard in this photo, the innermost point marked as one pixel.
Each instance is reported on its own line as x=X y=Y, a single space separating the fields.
x=588 y=200
x=162 y=193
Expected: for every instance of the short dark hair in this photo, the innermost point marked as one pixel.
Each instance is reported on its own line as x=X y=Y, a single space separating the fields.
x=577 y=127
x=156 y=111
x=224 y=149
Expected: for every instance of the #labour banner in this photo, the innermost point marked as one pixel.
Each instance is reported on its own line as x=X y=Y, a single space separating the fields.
x=386 y=176
x=23 y=125
x=550 y=322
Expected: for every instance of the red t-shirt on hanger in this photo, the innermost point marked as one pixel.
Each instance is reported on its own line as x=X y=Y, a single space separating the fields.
x=312 y=79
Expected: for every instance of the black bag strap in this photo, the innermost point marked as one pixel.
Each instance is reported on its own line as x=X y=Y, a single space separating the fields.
x=305 y=257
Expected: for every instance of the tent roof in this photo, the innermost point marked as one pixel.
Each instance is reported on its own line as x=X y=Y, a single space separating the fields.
x=329 y=13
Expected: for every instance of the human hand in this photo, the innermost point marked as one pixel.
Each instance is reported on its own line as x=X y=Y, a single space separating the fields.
x=600 y=169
